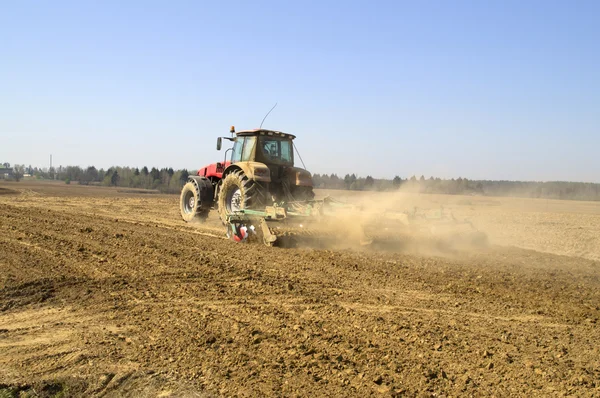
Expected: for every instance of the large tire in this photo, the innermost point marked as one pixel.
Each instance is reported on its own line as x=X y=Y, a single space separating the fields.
x=238 y=192
x=196 y=199
x=303 y=193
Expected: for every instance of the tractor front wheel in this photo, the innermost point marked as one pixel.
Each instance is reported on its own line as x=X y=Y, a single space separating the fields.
x=195 y=200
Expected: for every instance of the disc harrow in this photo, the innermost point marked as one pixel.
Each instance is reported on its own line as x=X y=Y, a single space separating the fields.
x=329 y=223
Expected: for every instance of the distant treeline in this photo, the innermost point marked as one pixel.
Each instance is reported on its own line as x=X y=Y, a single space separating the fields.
x=168 y=180
x=462 y=186
x=165 y=180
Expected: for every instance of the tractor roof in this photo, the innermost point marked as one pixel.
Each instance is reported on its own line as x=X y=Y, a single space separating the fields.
x=266 y=132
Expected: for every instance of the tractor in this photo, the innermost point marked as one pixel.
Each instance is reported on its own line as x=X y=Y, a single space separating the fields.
x=258 y=192
x=258 y=174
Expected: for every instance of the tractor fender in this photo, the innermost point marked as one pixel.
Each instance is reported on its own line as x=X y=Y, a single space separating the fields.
x=205 y=190
x=253 y=170
x=299 y=177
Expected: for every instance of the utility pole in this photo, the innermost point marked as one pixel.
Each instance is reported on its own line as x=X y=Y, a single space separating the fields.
x=50 y=171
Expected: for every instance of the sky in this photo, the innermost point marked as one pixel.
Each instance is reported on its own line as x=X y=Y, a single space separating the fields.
x=502 y=90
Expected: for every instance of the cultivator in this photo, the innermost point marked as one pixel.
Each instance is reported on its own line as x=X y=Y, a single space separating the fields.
x=327 y=223
x=281 y=225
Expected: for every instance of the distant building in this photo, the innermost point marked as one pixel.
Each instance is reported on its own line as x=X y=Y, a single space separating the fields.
x=6 y=173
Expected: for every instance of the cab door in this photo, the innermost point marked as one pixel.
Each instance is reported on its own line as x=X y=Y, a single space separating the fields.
x=236 y=153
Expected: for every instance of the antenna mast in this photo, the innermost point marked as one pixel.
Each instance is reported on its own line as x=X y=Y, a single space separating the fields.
x=261 y=123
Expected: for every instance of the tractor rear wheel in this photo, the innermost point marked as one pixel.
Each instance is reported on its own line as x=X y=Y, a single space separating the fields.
x=303 y=193
x=238 y=192
x=195 y=200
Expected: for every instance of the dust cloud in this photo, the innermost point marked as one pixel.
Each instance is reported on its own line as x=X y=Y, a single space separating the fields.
x=397 y=221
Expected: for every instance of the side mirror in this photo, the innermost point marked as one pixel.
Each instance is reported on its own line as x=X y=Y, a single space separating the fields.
x=219 y=142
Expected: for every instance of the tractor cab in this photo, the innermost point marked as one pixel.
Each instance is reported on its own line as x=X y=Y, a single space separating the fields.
x=264 y=146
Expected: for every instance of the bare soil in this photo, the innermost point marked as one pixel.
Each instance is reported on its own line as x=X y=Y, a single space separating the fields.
x=108 y=293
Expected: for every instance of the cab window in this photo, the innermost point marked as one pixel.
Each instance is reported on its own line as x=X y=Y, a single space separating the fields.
x=286 y=151
x=236 y=154
x=276 y=149
x=248 y=148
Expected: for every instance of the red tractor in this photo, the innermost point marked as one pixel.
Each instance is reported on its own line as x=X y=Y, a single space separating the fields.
x=259 y=173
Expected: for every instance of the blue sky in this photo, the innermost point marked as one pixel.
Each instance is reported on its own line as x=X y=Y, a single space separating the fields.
x=482 y=90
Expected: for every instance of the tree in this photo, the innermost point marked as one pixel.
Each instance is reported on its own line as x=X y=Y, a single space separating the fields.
x=349 y=180
x=114 y=179
x=184 y=176
x=155 y=174
x=397 y=182
x=369 y=181
x=19 y=170
x=90 y=174
x=145 y=170
x=358 y=185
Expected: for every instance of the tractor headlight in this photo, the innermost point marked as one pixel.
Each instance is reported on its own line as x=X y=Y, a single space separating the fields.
x=262 y=172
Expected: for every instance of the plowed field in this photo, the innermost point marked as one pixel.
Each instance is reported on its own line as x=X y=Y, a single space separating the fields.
x=105 y=292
